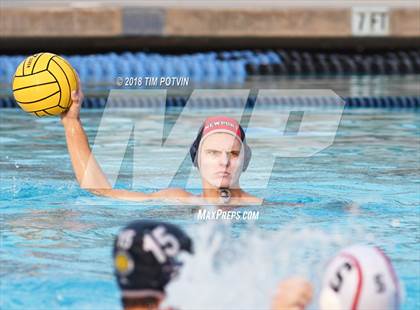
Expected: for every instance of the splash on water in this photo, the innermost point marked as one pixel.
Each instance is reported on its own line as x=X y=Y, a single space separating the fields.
x=242 y=272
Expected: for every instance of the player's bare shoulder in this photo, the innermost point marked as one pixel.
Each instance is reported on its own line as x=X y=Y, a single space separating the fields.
x=250 y=199
x=172 y=193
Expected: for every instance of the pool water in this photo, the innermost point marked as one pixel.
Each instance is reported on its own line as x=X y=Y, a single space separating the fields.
x=56 y=238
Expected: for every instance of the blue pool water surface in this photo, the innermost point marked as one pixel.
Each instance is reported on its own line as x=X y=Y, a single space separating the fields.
x=56 y=238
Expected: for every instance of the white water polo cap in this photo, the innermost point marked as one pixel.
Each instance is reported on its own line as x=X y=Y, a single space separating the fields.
x=360 y=278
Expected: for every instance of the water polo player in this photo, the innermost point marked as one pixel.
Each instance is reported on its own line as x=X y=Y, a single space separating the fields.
x=219 y=152
x=147 y=257
x=358 y=278
x=145 y=260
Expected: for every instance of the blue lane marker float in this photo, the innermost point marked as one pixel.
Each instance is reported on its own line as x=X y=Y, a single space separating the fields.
x=400 y=102
x=228 y=65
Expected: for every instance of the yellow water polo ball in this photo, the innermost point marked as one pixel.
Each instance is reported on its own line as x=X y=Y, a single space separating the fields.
x=43 y=83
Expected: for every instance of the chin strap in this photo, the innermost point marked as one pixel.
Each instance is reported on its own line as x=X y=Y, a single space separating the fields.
x=225 y=195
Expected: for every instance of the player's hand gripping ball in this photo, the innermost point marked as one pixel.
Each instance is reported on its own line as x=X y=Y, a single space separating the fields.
x=43 y=83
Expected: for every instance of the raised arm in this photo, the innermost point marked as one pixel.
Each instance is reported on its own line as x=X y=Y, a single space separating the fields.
x=88 y=171
x=89 y=174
